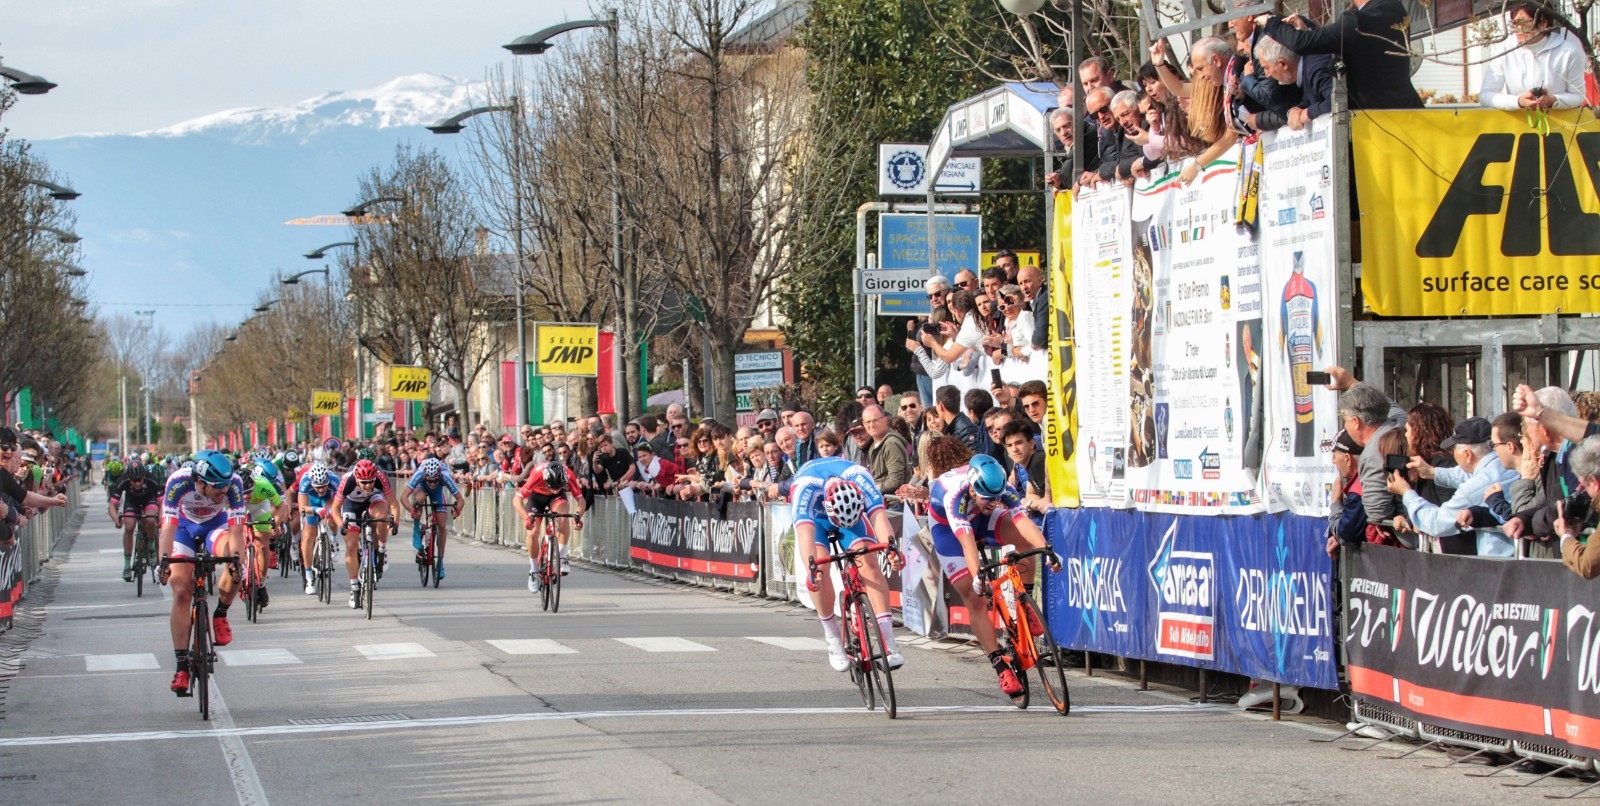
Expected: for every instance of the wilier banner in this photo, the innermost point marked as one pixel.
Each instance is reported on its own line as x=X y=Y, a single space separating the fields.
x=1504 y=648
x=698 y=538
x=1477 y=213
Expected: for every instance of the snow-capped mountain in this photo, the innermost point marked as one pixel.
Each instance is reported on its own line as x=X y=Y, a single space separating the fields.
x=414 y=100
x=190 y=217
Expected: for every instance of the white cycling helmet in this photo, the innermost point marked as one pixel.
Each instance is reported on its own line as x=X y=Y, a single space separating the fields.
x=319 y=475
x=843 y=503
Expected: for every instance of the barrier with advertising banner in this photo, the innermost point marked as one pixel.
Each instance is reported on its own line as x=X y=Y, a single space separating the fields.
x=1508 y=649
x=1477 y=214
x=1249 y=595
x=698 y=537
x=1191 y=336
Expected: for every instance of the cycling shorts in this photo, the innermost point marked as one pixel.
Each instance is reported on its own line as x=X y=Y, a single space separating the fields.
x=353 y=510
x=317 y=502
x=191 y=535
x=135 y=507
x=848 y=538
x=539 y=502
x=952 y=560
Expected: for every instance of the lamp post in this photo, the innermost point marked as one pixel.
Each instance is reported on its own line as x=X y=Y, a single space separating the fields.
x=327 y=286
x=536 y=44
x=26 y=83
x=453 y=125
x=319 y=253
x=147 y=322
x=57 y=192
x=62 y=235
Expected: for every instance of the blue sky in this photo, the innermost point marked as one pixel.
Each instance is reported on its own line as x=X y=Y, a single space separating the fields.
x=132 y=65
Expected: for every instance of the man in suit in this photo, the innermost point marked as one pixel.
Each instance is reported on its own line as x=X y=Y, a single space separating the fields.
x=1371 y=39
x=1115 y=145
x=1312 y=74
x=1031 y=280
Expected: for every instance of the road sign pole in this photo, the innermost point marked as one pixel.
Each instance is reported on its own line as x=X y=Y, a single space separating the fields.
x=870 y=368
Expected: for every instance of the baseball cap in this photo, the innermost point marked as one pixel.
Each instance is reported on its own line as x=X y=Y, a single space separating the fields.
x=765 y=415
x=855 y=425
x=1471 y=431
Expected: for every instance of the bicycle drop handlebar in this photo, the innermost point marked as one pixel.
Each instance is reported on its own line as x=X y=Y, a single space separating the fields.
x=1015 y=557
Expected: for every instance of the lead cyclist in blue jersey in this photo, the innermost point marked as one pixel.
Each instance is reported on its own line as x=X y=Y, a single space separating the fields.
x=432 y=483
x=972 y=503
x=835 y=493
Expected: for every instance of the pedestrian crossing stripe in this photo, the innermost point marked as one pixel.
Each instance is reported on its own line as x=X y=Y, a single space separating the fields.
x=665 y=644
x=793 y=643
x=394 y=651
x=531 y=646
x=257 y=657
x=120 y=663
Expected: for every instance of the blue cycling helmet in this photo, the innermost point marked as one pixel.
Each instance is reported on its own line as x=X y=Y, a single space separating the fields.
x=213 y=468
x=265 y=467
x=986 y=478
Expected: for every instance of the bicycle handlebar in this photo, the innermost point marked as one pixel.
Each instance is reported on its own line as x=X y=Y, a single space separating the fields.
x=852 y=554
x=1015 y=557
x=206 y=560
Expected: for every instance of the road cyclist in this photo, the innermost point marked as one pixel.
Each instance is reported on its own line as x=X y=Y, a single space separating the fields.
x=364 y=492
x=549 y=488
x=431 y=484
x=835 y=492
x=968 y=502
x=203 y=507
x=134 y=496
x=316 y=492
x=265 y=508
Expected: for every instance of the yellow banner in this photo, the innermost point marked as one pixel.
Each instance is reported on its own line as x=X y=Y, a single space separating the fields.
x=328 y=403
x=567 y=350
x=297 y=414
x=409 y=383
x=1478 y=212
x=1025 y=257
x=1061 y=414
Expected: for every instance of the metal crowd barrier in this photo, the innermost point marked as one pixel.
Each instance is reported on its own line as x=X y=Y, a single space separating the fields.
x=33 y=545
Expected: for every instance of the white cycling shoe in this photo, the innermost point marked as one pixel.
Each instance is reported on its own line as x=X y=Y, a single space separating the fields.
x=836 y=656
x=896 y=660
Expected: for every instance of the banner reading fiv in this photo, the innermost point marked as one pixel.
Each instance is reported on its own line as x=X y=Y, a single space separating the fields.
x=326 y=403
x=1475 y=213
x=409 y=383
x=572 y=350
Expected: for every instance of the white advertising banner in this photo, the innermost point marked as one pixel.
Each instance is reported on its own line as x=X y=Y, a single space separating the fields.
x=1102 y=285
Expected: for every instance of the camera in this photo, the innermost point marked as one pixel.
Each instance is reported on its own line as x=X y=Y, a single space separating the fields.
x=1395 y=461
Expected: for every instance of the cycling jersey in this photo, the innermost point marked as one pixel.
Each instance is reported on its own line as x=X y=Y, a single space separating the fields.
x=535 y=486
x=951 y=508
x=436 y=490
x=303 y=486
x=806 y=496
x=134 y=500
x=264 y=499
x=183 y=502
x=351 y=490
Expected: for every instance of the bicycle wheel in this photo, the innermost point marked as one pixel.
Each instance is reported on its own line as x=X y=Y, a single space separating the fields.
x=849 y=619
x=1048 y=659
x=324 y=568
x=552 y=569
x=200 y=657
x=369 y=573
x=247 y=585
x=875 y=656
x=425 y=562
x=138 y=572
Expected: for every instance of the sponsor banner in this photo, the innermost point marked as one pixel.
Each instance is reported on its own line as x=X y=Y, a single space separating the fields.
x=1249 y=595
x=567 y=350
x=1061 y=414
x=1478 y=214
x=689 y=536
x=409 y=383
x=326 y=403
x=1188 y=332
x=1507 y=649
x=1298 y=328
x=903 y=244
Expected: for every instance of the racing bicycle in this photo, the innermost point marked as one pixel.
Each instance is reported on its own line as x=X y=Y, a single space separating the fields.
x=144 y=556
x=863 y=642
x=428 y=560
x=367 y=550
x=550 y=562
x=1026 y=636
x=202 y=651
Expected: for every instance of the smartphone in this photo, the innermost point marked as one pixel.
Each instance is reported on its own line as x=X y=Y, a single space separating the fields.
x=994 y=378
x=1395 y=461
x=1537 y=92
x=1318 y=378
x=930 y=328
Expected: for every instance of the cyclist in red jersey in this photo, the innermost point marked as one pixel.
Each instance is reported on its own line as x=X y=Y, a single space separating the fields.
x=549 y=487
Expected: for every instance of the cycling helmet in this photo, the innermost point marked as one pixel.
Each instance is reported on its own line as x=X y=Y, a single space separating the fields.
x=213 y=468
x=188 y=464
x=319 y=475
x=291 y=458
x=843 y=503
x=986 y=478
x=432 y=469
x=365 y=470
x=367 y=454
x=261 y=453
x=555 y=476
x=247 y=475
x=266 y=468
x=137 y=473
x=114 y=467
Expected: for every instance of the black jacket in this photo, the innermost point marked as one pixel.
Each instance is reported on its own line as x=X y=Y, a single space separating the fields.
x=1372 y=42
x=1040 y=308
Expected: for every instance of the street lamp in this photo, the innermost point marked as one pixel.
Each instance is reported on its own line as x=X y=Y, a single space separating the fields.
x=61 y=235
x=453 y=125
x=27 y=83
x=327 y=285
x=360 y=210
x=355 y=250
x=537 y=43
x=265 y=306
x=57 y=192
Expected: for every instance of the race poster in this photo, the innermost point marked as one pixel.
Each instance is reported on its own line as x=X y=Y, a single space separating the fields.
x=1102 y=288
x=1298 y=268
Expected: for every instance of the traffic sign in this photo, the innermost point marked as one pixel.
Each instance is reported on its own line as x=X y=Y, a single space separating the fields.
x=893 y=281
x=903 y=171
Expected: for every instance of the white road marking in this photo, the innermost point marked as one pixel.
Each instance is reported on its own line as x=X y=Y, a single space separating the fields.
x=120 y=663
x=531 y=646
x=794 y=643
x=665 y=644
x=246 y=783
x=555 y=716
x=393 y=651
x=257 y=657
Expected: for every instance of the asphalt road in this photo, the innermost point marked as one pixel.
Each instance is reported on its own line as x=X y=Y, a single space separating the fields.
x=635 y=692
